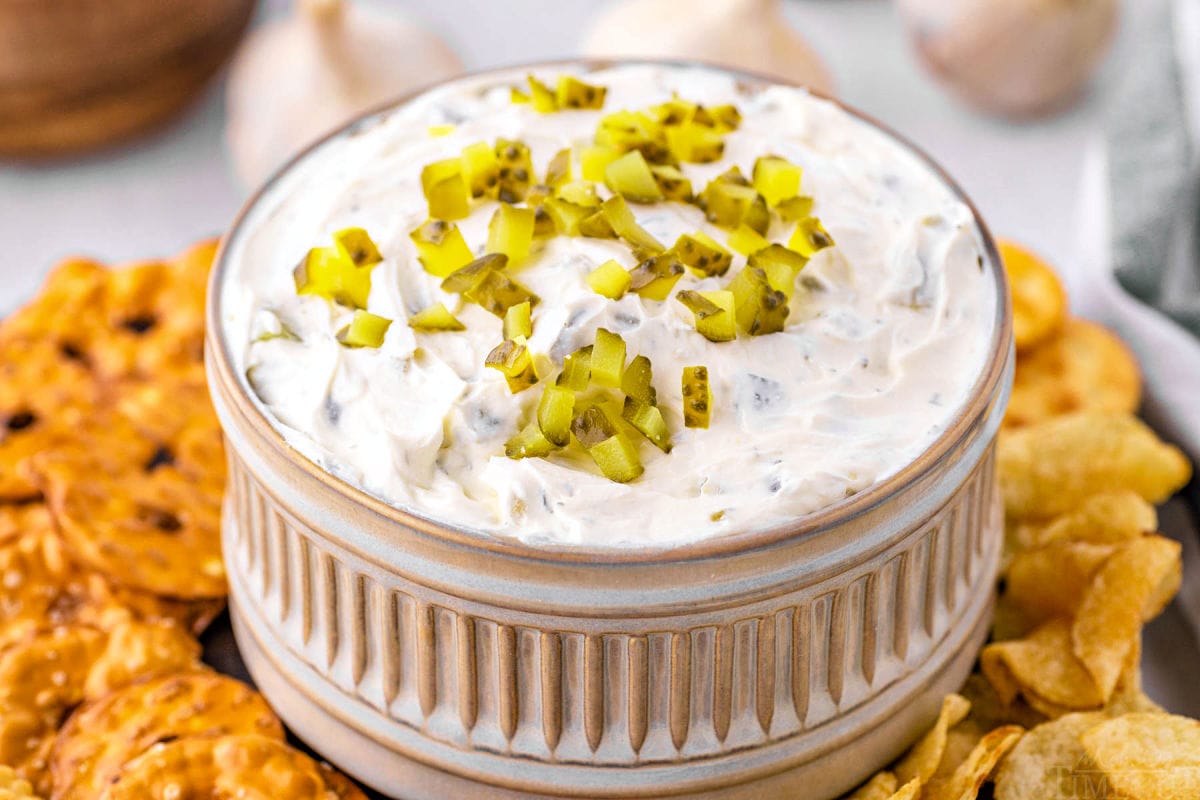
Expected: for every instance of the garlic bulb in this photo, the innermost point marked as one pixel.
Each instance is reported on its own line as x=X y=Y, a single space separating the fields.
x=748 y=34
x=1012 y=57
x=301 y=76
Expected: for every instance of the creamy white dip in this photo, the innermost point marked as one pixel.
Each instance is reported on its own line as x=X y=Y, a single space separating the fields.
x=887 y=333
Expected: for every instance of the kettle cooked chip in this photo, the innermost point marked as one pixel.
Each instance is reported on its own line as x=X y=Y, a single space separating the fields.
x=1147 y=756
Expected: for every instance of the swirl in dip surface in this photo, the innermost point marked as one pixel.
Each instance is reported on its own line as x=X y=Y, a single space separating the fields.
x=887 y=331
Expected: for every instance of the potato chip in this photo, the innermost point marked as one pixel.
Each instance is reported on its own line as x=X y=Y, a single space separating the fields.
x=101 y=736
x=1085 y=368
x=1147 y=756
x=13 y=787
x=909 y=791
x=1049 y=761
x=922 y=760
x=1051 y=468
x=969 y=776
x=247 y=767
x=1132 y=586
x=1100 y=519
x=1039 y=301
x=1051 y=581
x=1043 y=668
x=881 y=787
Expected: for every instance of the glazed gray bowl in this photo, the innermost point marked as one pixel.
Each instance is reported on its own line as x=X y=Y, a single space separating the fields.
x=435 y=662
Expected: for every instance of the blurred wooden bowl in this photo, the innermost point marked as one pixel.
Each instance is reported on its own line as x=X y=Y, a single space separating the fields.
x=78 y=74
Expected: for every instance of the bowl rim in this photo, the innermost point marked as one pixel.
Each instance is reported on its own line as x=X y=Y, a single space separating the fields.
x=980 y=397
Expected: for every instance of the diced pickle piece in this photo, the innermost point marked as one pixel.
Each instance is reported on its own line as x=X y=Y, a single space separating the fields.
x=518 y=97
x=482 y=169
x=529 y=443
x=795 y=208
x=355 y=245
x=542 y=96
x=497 y=293
x=759 y=307
x=694 y=143
x=440 y=130
x=638 y=381
x=621 y=218
x=435 y=318
x=630 y=177
x=325 y=273
x=566 y=215
x=596 y=226
x=365 y=330
x=633 y=130
x=673 y=184
x=469 y=276
x=617 y=458
x=776 y=179
x=703 y=254
x=675 y=111
x=544 y=226
x=445 y=189
x=511 y=232
x=592 y=426
x=780 y=265
x=514 y=362
x=577 y=370
x=746 y=240
x=648 y=421
x=609 y=279
x=714 y=313
x=558 y=171
x=697 y=397
x=555 y=411
x=518 y=321
x=655 y=277
x=724 y=118
x=594 y=161
x=810 y=237
x=728 y=202
x=441 y=247
x=516 y=170
x=574 y=93
x=581 y=193
x=608 y=358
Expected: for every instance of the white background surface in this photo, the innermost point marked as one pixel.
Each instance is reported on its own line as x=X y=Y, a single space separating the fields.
x=153 y=197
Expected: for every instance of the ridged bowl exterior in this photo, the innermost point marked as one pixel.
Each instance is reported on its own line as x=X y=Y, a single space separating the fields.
x=434 y=663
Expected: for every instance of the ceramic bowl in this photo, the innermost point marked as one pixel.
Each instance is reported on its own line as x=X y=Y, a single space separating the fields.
x=435 y=662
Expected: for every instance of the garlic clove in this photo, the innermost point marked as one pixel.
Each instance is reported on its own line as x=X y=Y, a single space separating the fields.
x=1015 y=58
x=301 y=76
x=752 y=35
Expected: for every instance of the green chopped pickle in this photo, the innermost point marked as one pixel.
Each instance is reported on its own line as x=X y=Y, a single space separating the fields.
x=566 y=216
x=694 y=143
x=514 y=362
x=714 y=313
x=543 y=97
x=608 y=358
x=482 y=169
x=355 y=244
x=577 y=370
x=746 y=240
x=468 y=276
x=703 y=254
x=517 y=97
x=570 y=92
x=445 y=189
x=497 y=293
x=596 y=226
x=555 y=412
x=594 y=161
x=530 y=442
x=434 y=319
x=759 y=307
x=729 y=201
x=441 y=248
x=612 y=451
x=655 y=277
x=518 y=321
x=582 y=193
x=630 y=177
x=648 y=420
x=638 y=381
x=810 y=237
x=544 y=226
x=365 y=330
x=673 y=184
x=776 y=179
x=618 y=214
x=795 y=208
x=781 y=266
x=609 y=279
x=324 y=272
x=558 y=171
x=697 y=397
x=511 y=232
x=516 y=170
